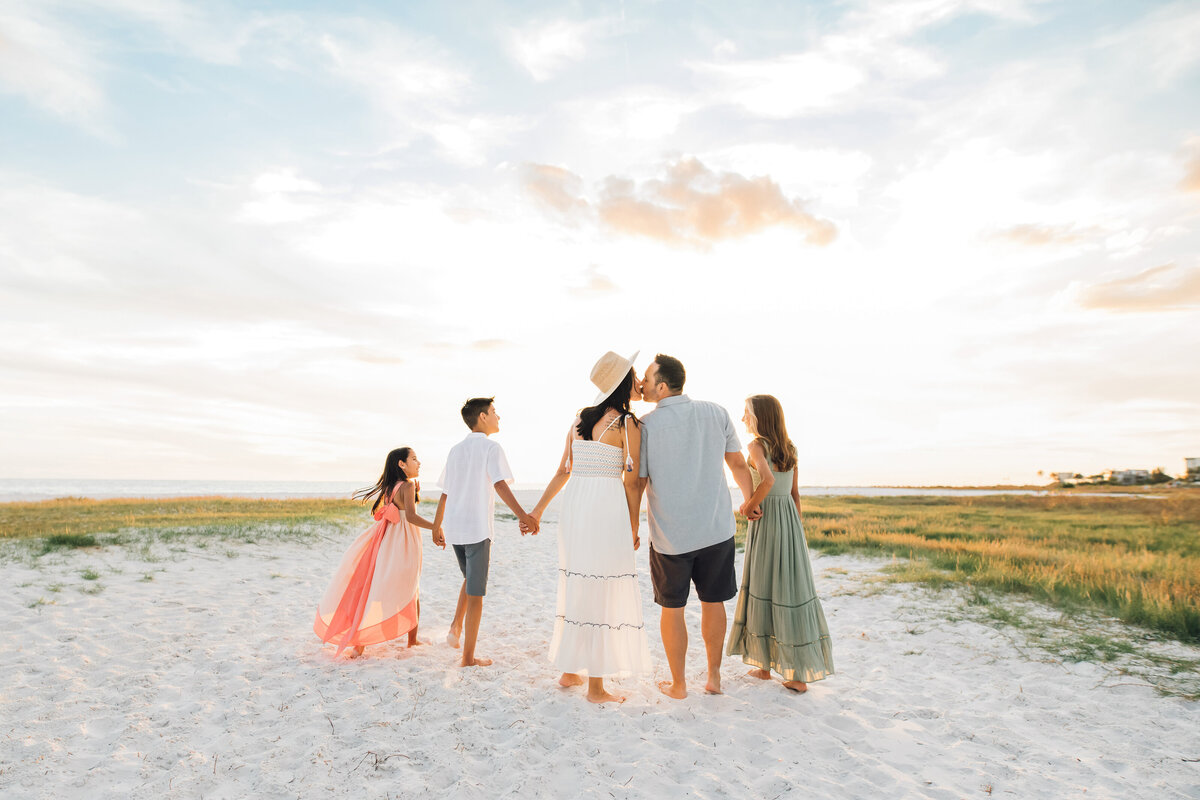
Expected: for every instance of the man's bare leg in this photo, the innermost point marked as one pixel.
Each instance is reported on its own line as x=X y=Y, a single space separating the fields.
x=569 y=679
x=473 y=613
x=457 y=625
x=675 y=641
x=598 y=694
x=712 y=628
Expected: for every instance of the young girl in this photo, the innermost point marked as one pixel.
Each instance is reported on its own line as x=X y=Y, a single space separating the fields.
x=374 y=594
x=779 y=624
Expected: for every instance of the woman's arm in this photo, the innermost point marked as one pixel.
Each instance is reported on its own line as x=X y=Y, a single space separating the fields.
x=408 y=494
x=758 y=457
x=560 y=477
x=630 y=479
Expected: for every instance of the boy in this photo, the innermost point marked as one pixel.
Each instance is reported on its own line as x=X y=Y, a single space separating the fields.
x=476 y=471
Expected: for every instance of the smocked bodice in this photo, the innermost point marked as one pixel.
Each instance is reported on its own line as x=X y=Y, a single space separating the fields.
x=783 y=482
x=596 y=459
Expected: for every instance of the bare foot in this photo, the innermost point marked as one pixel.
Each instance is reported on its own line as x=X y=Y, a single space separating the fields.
x=671 y=689
x=477 y=662
x=713 y=686
x=452 y=638
x=605 y=697
x=355 y=652
x=416 y=642
x=799 y=687
x=761 y=674
x=569 y=679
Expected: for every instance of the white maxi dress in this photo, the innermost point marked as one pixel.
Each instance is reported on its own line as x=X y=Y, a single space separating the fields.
x=598 y=627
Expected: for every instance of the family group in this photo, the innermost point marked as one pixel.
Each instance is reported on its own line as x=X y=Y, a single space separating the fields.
x=676 y=456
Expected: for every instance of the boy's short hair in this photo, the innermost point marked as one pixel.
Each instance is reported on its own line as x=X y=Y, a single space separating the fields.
x=473 y=408
x=670 y=372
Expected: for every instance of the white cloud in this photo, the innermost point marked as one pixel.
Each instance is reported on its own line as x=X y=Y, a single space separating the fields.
x=545 y=49
x=784 y=86
x=51 y=66
x=1161 y=45
x=420 y=86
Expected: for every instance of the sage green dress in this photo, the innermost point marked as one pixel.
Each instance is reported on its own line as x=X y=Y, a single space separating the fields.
x=779 y=624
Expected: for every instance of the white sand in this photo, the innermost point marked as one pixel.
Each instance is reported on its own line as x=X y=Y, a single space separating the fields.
x=207 y=681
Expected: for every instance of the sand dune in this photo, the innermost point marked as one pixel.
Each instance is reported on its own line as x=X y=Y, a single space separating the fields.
x=205 y=680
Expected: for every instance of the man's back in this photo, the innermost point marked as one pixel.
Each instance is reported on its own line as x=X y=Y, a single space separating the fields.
x=684 y=443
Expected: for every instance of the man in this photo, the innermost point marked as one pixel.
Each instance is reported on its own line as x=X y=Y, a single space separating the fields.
x=686 y=445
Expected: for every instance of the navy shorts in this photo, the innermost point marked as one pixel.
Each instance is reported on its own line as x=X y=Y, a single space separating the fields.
x=710 y=568
x=473 y=560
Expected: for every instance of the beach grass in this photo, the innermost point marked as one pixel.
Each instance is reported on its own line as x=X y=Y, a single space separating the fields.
x=1137 y=559
x=78 y=521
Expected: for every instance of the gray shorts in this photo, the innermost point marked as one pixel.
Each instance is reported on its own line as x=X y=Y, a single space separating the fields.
x=473 y=560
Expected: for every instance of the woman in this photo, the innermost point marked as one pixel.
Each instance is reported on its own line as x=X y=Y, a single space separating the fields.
x=598 y=628
x=779 y=624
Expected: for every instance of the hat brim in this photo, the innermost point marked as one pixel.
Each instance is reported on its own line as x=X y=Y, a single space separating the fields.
x=628 y=366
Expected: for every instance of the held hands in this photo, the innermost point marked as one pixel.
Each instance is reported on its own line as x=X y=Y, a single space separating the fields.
x=751 y=512
x=530 y=524
x=439 y=538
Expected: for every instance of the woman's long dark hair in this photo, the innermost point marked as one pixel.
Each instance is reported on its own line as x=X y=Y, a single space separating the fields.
x=393 y=473
x=618 y=400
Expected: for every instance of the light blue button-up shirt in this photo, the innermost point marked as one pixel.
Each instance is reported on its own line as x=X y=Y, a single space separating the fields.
x=684 y=443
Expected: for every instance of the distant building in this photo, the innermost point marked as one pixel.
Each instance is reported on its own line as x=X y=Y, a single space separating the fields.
x=1131 y=476
x=1193 y=468
x=1064 y=477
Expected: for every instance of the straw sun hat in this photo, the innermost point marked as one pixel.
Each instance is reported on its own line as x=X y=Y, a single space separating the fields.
x=609 y=371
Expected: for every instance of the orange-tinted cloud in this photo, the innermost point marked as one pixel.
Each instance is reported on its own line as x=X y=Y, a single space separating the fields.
x=1164 y=288
x=1043 y=235
x=1191 y=180
x=691 y=205
x=555 y=187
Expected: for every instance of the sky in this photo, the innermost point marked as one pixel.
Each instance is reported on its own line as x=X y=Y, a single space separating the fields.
x=958 y=239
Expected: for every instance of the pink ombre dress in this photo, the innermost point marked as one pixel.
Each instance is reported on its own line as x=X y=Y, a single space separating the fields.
x=373 y=595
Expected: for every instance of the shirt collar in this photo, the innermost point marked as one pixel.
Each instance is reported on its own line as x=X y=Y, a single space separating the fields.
x=674 y=400
x=476 y=434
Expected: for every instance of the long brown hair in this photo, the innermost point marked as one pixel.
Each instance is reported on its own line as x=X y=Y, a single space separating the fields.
x=393 y=474
x=771 y=431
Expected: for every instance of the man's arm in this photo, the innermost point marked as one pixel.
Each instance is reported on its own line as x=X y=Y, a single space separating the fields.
x=506 y=495
x=741 y=476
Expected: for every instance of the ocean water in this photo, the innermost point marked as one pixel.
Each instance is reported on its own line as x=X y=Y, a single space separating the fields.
x=32 y=489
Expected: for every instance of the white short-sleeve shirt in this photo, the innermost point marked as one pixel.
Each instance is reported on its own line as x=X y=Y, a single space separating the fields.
x=473 y=467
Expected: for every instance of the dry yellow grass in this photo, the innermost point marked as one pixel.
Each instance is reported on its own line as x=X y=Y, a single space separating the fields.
x=1137 y=558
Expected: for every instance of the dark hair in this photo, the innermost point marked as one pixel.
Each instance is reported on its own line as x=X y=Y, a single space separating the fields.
x=473 y=408
x=771 y=431
x=670 y=372
x=618 y=400
x=393 y=474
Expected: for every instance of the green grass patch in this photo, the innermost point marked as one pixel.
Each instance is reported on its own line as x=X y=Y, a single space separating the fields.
x=58 y=541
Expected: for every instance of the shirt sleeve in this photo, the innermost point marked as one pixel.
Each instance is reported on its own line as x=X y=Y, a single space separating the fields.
x=497 y=466
x=732 y=443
